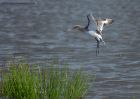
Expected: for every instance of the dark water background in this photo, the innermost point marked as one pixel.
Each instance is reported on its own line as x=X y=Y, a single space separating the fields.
x=36 y=29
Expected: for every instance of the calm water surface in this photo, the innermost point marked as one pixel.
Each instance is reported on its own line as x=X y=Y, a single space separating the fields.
x=36 y=29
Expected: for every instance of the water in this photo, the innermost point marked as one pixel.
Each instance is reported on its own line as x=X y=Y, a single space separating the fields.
x=36 y=29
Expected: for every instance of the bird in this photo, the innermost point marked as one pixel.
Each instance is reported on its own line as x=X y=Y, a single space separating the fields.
x=96 y=33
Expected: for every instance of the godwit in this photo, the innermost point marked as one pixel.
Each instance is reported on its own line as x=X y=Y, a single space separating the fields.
x=97 y=33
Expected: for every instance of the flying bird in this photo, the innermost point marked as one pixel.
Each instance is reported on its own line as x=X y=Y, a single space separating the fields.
x=97 y=33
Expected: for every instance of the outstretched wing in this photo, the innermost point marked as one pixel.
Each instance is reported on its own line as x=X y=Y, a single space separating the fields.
x=90 y=25
x=101 y=22
x=87 y=26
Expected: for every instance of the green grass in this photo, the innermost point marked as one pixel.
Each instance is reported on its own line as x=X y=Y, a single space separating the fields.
x=21 y=82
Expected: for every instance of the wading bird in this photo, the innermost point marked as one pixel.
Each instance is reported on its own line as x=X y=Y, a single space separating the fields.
x=97 y=33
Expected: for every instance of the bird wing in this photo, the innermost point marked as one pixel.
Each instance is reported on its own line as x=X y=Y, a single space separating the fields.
x=102 y=22
x=98 y=23
x=87 y=26
x=108 y=21
x=90 y=24
x=94 y=20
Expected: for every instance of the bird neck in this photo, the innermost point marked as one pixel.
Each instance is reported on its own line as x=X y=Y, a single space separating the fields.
x=83 y=29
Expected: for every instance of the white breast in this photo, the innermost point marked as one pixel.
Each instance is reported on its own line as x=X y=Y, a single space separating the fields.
x=94 y=34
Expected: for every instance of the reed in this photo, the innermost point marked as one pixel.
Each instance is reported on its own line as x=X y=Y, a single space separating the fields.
x=21 y=82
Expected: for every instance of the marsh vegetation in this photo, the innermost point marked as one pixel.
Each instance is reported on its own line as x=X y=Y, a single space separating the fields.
x=21 y=81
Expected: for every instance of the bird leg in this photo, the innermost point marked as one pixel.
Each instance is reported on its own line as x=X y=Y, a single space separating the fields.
x=103 y=42
x=97 y=48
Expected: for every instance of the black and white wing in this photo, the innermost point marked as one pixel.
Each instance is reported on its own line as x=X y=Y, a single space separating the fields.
x=90 y=25
x=87 y=26
x=101 y=22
